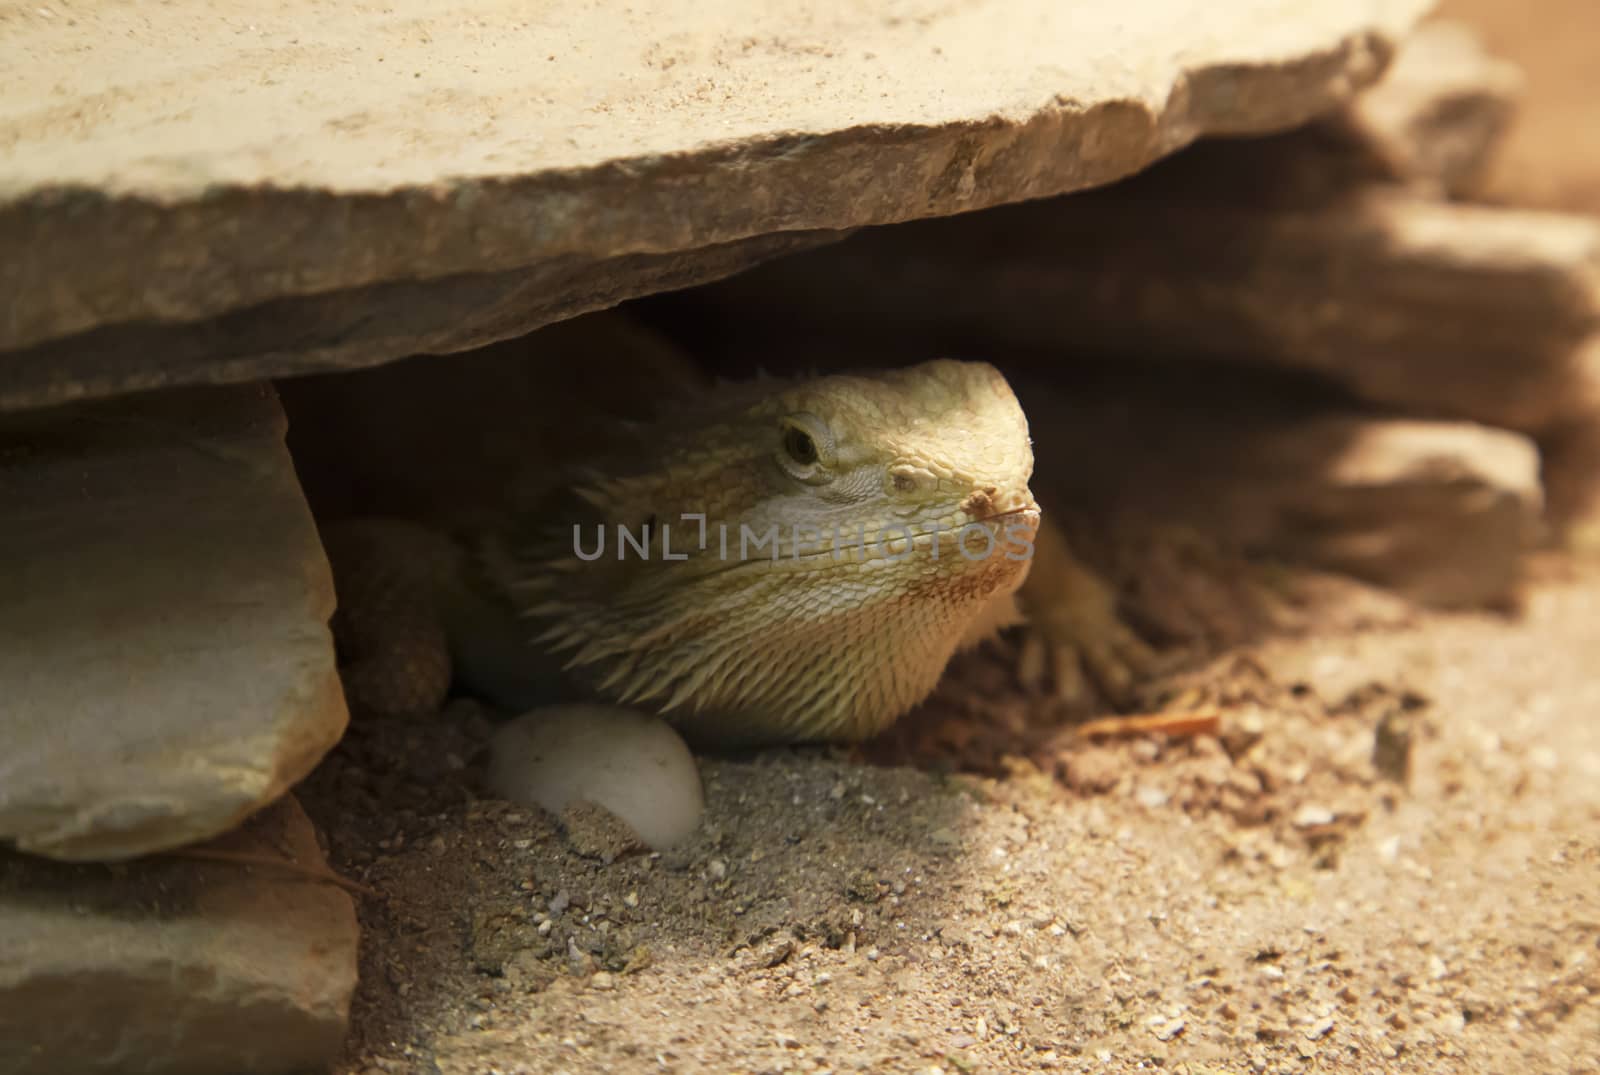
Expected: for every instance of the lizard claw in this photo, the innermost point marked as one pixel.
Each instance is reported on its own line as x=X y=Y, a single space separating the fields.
x=1077 y=644
x=1074 y=638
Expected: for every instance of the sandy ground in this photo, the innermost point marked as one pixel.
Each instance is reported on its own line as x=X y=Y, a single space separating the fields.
x=1387 y=860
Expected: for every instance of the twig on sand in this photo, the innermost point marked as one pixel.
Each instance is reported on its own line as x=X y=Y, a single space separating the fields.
x=1183 y=723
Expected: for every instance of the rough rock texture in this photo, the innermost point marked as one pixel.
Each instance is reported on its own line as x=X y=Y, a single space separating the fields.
x=163 y=623
x=430 y=178
x=1325 y=250
x=178 y=965
x=364 y=325
x=1552 y=154
x=1572 y=484
x=1441 y=512
x=1441 y=111
x=1492 y=315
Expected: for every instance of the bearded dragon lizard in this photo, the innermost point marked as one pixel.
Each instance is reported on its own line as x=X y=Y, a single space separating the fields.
x=781 y=561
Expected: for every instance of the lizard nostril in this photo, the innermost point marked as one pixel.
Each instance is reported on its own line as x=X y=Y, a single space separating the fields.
x=981 y=502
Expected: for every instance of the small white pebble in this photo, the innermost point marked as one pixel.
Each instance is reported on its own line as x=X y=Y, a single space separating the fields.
x=1312 y=816
x=632 y=764
x=1151 y=798
x=1167 y=1029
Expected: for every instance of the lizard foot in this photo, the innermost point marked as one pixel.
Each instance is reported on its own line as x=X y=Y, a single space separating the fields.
x=1074 y=638
x=1077 y=641
x=394 y=654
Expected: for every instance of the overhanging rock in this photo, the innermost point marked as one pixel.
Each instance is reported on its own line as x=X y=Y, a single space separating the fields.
x=311 y=188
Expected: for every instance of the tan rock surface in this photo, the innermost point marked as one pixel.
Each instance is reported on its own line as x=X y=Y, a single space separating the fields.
x=164 y=600
x=194 y=160
x=1552 y=155
x=1442 y=109
x=178 y=966
x=1441 y=512
x=1428 y=307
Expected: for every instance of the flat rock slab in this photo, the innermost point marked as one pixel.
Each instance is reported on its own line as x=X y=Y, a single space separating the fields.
x=179 y=966
x=1429 y=307
x=203 y=161
x=1440 y=512
x=1552 y=156
x=164 y=600
x=1442 y=109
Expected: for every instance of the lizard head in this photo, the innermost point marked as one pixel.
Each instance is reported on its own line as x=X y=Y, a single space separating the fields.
x=785 y=561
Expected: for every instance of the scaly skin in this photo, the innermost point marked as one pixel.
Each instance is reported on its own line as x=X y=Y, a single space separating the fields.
x=743 y=641
x=736 y=646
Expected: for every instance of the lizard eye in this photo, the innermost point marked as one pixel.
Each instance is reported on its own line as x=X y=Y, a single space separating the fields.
x=805 y=450
x=801 y=448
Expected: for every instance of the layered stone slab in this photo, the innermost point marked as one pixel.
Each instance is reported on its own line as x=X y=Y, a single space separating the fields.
x=309 y=187
x=239 y=956
x=164 y=601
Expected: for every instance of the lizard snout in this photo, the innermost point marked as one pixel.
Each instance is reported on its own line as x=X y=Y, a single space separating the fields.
x=990 y=502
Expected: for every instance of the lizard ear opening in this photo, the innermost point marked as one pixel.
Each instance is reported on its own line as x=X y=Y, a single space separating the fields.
x=805 y=447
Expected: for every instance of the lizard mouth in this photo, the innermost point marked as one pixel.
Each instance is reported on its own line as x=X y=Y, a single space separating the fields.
x=922 y=542
x=1030 y=513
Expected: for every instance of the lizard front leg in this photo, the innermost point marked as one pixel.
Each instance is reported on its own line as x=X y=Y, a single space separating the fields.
x=1074 y=635
x=414 y=618
x=394 y=653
